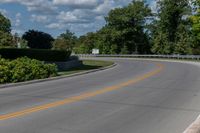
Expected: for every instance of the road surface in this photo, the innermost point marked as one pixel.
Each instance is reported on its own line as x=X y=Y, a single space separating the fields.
x=133 y=97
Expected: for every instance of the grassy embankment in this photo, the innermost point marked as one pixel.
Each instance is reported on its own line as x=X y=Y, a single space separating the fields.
x=87 y=65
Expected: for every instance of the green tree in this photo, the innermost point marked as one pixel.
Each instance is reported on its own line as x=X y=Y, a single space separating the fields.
x=106 y=41
x=124 y=50
x=128 y=25
x=6 y=39
x=124 y=32
x=23 y=43
x=161 y=45
x=85 y=43
x=61 y=44
x=184 y=41
x=38 y=39
x=171 y=14
x=5 y=24
x=195 y=19
x=66 y=41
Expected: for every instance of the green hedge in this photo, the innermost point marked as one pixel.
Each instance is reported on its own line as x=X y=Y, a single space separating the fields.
x=24 y=69
x=39 y=54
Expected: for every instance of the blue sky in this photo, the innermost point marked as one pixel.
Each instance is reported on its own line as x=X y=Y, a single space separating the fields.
x=55 y=16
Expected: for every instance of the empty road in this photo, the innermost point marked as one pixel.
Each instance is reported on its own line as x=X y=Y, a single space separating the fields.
x=132 y=97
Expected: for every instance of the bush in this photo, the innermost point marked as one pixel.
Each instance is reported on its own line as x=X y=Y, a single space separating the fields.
x=24 y=69
x=39 y=54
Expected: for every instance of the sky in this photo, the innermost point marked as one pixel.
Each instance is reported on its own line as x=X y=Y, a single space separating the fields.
x=55 y=16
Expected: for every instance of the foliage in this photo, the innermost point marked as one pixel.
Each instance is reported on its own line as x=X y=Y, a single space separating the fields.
x=6 y=40
x=38 y=39
x=124 y=50
x=23 y=43
x=85 y=44
x=39 y=54
x=195 y=19
x=184 y=41
x=161 y=45
x=61 y=44
x=5 y=24
x=123 y=32
x=171 y=14
x=66 y=41
x=128 y=26
x=24 y=69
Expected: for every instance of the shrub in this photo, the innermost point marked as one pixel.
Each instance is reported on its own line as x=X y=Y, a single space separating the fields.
x=39 y=54
x=24 y=69
x=5 y=73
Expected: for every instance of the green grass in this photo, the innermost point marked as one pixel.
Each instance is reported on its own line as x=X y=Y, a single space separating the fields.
x=87 y=65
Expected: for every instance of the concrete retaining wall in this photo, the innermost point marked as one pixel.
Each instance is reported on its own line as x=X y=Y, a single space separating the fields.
x=67 y=65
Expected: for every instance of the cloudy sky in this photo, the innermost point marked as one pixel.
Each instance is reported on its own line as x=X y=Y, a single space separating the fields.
x=55 y=16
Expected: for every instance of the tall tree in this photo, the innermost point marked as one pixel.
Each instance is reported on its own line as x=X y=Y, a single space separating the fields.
x=183 y=40
x=195 y=19
x=128 y=26
x=6 y=39
x=38 y=39
x=125 y=32
x=171 y=14
x=5 y=24
x=106 y=41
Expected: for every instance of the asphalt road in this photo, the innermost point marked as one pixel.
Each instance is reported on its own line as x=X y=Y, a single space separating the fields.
x=133 y=97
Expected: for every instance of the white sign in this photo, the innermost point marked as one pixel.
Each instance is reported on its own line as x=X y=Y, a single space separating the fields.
x=95 y=51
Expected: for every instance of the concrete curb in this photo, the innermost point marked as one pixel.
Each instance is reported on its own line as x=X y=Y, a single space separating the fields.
x=194 y=127
x=55 y=78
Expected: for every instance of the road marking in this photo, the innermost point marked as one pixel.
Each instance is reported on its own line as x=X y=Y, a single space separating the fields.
x=81 y=96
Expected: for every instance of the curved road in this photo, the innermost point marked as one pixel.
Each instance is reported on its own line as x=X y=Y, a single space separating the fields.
x=133 y=97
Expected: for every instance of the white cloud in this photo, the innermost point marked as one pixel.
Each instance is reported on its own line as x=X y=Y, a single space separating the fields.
x=44 y=6
x=101 y=18
x=76 y=16
x=77 y=3
x=18 y=19
x=39 y=18
x=80 y=16
x=55 y=26
x=105 y=7
x=18 y=31
x=67 y=17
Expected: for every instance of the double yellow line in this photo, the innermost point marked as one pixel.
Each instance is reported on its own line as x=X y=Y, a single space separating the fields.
x=81 y=96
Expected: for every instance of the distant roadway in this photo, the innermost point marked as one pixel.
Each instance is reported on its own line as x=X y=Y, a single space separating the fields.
x=133 y=97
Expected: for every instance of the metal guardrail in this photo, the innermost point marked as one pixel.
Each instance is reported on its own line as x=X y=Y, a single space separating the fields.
x=193 y=57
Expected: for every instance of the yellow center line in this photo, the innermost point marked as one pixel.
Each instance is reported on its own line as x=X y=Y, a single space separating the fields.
x=81 y=96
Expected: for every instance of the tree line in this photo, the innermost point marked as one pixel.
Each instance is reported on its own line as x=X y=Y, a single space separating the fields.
x=172 y=28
